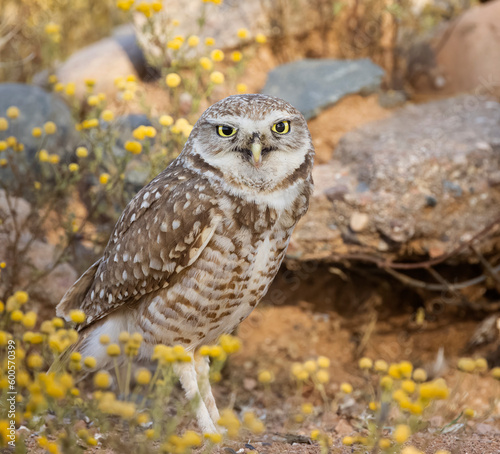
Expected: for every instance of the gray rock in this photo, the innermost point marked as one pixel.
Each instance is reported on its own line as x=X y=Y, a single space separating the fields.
x=222 y=22
x=392 y=98
x=313 y=85
x=428 y=184
x=139 y=168
x=103 y=61
x=468 y=51
x=40 y=256
x=359 y=221
x=125 y=36
x=37 y=107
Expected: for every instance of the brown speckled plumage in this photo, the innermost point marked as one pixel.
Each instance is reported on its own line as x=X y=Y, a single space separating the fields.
x=197 y=248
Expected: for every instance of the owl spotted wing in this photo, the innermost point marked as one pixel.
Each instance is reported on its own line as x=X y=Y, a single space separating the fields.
x=163 y=230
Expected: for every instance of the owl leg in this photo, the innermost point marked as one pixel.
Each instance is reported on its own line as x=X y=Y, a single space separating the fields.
x=203 y=369
x=187 y=376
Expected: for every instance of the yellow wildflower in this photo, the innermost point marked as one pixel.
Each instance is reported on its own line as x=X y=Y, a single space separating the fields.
x=104 y=178
x=466 y=364
x=386 y=382
x=322 y=376
x=36 y=132
x=90 y=362
x=143 y=376
x=469 y=413
x=21 y=297
x=93 y=100
x=401 y=433
x=419 y=375
x=236 y=56
x=13 y=112
x=102 y=379
x=323 y=362
x=193 y=41
x=173 y=80
x=346 y=388
x=90 y=123
x=242 y=33
x=144 y=8
x=82 y=152
x=149 y=131
x=217 y=55
x=73 y=167
x=54 y=159
x=365 y=363
x=77 y=316
x=481 y=365
x=52 y=28
x=206 y=63
x=133 y=146
x=307 y=408
x=34 y=361
x=124 y=5
x=217 y=77
x=348 y=441
x=241 y=88
x=157 y=6
x=70 y=88
x=4 y=124
x=50 y=127
x=166 y=120
x=209 y=41
x=107 y=115
x=16 y=315
x=214 y=438
x=113 y=350
x=260 y=38
x=265 y=376
x=408 y=386
x=29 y=319
x=229 y=420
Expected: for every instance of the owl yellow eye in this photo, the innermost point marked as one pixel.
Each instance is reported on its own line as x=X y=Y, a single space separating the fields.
x=282 y=127
x=226 y=131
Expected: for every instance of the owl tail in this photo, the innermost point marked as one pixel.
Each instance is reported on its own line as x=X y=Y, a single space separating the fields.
x=74 y=296
x=71 y=300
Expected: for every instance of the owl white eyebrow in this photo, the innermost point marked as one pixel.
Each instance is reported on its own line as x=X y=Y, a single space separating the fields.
x=215 y=122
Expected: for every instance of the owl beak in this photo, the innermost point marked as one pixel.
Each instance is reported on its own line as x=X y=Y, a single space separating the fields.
x=257 y=154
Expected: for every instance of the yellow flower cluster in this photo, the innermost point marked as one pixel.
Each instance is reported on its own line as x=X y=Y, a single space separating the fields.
x=110 y=405
x=146 y=8
x=314 y=369
x=472 y=365
x=252 y=423
x=182 y=126
x=142 y=132
x=168 y=355
x=230 y=421
x=184 y=444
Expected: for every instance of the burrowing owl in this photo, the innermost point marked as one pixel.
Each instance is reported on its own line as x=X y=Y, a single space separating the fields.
x=197 y=248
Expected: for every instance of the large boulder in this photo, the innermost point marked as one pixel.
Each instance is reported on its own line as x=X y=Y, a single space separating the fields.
x=36 y=107
x=313 y=85
x=416 y=184
x=38 y=268
x=468 y=51
x=223 y=21
x=104 y=61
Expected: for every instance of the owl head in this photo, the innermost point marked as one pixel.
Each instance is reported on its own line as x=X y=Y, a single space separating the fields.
x=253 y=141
